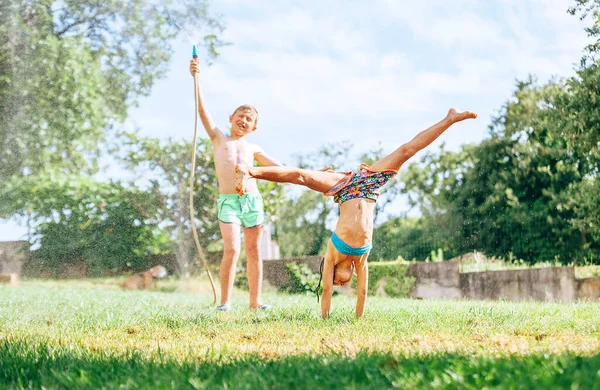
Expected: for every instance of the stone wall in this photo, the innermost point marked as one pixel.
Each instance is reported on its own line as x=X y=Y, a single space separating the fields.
x=435 y=280
x=276 y=274
x=538 y=284
x=444 y=280
x=588 y=288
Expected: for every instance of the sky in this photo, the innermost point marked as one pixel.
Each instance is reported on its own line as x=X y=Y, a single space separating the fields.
x=374 y=73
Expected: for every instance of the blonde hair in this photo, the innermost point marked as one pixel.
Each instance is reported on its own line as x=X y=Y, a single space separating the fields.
x=247 y=107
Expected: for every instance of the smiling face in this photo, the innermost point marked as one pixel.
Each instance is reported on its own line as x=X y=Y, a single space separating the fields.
x=244 y=120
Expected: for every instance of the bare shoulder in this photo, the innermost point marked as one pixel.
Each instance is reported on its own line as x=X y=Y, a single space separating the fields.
x=255 y=148
x=219 y=136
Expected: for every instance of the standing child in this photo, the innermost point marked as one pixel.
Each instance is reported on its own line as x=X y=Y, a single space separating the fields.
x=237 y=211
x=356 y=192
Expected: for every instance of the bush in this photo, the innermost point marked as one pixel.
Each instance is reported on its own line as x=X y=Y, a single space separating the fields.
x=389 y=277
x=302 y=279
x=76 y=219
x=241 y=281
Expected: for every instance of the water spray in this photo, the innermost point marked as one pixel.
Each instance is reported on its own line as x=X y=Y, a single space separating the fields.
x=195 y=233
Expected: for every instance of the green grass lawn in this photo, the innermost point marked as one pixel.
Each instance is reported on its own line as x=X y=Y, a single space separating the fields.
x=89 y=334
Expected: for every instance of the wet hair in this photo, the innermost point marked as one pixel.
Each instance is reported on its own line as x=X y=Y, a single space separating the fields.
x=247 y=107
x=318 y=289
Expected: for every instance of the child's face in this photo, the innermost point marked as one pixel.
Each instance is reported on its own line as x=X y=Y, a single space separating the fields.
x=243 y=122
x=342 y=273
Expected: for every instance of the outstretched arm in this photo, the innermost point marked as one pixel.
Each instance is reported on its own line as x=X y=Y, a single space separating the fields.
x=327 y=282
x=362 y=285
x=207 y=120
x=264 y=159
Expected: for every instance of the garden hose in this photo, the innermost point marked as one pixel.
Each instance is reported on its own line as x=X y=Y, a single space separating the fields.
x=192 y=172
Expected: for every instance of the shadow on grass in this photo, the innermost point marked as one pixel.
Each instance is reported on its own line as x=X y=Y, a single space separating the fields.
x=37 y=365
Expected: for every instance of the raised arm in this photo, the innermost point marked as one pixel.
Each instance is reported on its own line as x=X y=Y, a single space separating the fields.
x=207 y=120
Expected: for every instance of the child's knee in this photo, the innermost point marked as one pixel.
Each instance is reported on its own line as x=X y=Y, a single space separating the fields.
x=252 y=248
x=231 y=253
x=252 y=257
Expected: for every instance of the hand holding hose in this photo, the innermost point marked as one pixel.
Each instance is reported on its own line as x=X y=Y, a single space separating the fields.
x=195 y=67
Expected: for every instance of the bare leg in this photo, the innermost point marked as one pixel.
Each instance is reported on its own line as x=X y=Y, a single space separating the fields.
x=320 y=181
x=231 y=252
x=254 y=264
x=422 y=140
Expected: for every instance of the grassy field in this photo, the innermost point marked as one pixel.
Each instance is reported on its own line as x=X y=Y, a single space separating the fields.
x=89 y=334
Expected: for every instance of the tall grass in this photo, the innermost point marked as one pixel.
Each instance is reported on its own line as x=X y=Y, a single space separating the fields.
x=92 y=335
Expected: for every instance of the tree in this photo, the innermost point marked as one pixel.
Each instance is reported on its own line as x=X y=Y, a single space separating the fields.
x=583 y=9
x=406 y=237
x=525 y=190
x=105 y=225
x=70 y=70
x=163 y=170
x=516 y=192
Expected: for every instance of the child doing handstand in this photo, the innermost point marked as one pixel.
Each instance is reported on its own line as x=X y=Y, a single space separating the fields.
x=356 y=192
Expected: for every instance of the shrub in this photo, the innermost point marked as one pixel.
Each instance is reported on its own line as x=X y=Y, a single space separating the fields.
x=389 y=278
x=241 y=281
x=302 y=279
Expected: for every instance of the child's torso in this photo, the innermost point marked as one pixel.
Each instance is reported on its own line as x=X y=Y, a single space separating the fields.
x=228 y=153
x=355 y=225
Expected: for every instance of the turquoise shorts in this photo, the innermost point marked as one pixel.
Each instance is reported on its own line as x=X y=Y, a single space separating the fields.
x=246 y=210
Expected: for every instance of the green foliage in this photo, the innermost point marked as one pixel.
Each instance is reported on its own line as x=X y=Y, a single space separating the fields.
x=274 y=198
x=77 y=219
x=389 y=278
x=584 y=9
x=165 y=167
x=302 y=230
x=54 y=108
x=525 y=191
x=302 y=279
x=70 y=71
x=411 y=238
x=519 y=191
x=437 y=256
x=241 y=281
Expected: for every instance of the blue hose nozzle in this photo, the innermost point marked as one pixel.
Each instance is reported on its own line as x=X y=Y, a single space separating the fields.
x=194 y=52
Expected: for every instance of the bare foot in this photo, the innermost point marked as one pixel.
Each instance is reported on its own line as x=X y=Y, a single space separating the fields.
x=456 y=116
x=241 y=177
